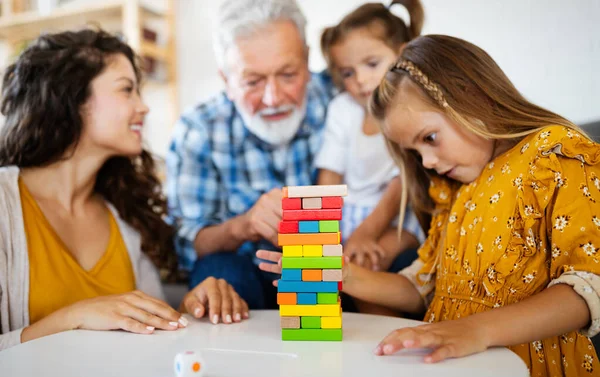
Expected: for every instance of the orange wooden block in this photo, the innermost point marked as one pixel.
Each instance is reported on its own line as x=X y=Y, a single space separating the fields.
x=308 y=239
x=312 y=275
x=286 y=298
x=284 y=191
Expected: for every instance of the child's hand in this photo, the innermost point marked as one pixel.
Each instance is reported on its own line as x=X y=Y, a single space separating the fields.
x=275 y=256
x=364 y=250
x=448 y=339
x=218 y=298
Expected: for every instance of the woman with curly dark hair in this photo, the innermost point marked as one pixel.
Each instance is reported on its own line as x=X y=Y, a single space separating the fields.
x=82 y=233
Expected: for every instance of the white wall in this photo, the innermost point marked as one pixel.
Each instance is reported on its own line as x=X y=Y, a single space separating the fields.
x=550 y=49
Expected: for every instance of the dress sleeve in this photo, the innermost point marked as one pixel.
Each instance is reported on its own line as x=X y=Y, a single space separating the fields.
x=335 y=148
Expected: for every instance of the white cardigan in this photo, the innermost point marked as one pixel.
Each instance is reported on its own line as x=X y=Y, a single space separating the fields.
x=14 y=261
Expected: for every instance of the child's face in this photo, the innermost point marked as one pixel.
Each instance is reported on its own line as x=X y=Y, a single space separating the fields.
x=114 y=114
x=444 y=146
x=361 y=60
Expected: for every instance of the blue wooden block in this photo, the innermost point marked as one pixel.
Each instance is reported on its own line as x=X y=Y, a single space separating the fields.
x=291 y=274
x=308 y=227
x=307 y=286
x=306 y=299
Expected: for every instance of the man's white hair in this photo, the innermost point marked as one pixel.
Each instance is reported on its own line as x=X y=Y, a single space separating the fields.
x=237 y=18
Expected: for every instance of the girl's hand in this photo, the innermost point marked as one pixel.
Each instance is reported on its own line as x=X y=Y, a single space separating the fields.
x=364 y=250
x=275 y=256
x=448 y=339
x=133 y=311
x=219 y=298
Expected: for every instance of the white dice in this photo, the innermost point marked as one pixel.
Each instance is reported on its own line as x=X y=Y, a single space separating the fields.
x=189 y=363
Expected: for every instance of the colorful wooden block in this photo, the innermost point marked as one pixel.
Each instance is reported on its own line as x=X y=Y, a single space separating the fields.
x=312 y=275
x=287 y=298
x=329 y=310
x=307 y=286
x=288 y=227
x=292 y=250
x=291 y=203
x=340 y=285
x=327 y=298
x=311 y=203
x=312 y=334
x=316 y=191
x=329 y=275
x=329 y=322
x=291 y=274
x=306 y=299
x=308 y=239
x=310 y=322
x=331 y=251
x=312 y=263
x=332 y=202
x=290 y=322
x=307 y=227
x=311 y=214
x=329 y=226
x=312 y=250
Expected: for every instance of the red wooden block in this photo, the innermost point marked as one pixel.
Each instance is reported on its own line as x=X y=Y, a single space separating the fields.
x=332 y=202
x=340 y=286
x=312 y=214
x=288 y=227
x=291 y=203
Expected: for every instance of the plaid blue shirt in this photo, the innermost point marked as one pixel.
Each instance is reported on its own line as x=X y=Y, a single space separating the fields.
x=217 y=169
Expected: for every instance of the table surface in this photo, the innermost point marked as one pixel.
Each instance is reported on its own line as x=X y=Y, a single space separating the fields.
x=252 y=348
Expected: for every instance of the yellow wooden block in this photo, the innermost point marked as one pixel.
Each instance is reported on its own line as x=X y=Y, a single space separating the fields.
x=331 y=322
x=312 y=250
x=309 y=310
x=293 y=250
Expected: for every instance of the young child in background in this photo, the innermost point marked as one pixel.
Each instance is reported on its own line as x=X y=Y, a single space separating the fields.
x=359 y=50
x=512 y=255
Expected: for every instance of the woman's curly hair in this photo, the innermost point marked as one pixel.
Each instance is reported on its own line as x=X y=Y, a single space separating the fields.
x=42 y=97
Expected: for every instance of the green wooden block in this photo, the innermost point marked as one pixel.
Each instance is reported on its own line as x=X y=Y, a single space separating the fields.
x=310 y=322
x=329 y=226
x=311 y=334
x=311 y=262
x=327 y=298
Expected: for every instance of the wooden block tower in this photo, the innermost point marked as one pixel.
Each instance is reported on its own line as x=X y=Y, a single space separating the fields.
x=311 y=279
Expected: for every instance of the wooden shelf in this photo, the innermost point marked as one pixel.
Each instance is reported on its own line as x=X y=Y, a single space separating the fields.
x=27 y=25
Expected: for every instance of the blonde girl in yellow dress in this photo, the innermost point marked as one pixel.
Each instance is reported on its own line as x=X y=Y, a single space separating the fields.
x=511 y=195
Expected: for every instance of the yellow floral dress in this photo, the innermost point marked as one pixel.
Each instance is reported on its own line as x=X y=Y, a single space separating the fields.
x=530 y=220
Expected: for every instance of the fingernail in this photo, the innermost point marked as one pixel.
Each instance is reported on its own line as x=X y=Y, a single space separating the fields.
x=215 y=319
x=197 y=312
x=428 y=359
x=388 y=348
x=228 y=318
x=184 y=322
x=246 y=315
x=238 y=317
x=173 y=324
x=377 y=350
x=150 y=328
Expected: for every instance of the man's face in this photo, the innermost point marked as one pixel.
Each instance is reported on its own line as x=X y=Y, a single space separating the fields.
x=266 y=77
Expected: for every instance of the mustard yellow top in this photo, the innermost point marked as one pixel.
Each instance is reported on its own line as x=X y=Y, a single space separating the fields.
x=530 y=220
x=56 y=279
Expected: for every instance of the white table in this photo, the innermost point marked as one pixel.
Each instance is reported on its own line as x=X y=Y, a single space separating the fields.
x=252 y=348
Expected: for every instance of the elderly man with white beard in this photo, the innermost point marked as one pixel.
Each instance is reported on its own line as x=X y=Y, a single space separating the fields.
x=231 y=156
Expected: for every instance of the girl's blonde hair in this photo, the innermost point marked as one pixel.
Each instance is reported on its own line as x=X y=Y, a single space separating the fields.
x=466 y=84
x=378 y=18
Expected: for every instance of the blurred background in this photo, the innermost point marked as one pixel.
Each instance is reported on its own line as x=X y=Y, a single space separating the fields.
x=550 y=49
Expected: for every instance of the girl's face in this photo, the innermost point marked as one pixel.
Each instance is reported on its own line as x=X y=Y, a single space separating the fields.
x=444 y=146
x=114 y=114
x=361 y=60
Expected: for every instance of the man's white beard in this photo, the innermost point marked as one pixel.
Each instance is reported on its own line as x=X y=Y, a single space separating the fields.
x=277 y=133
